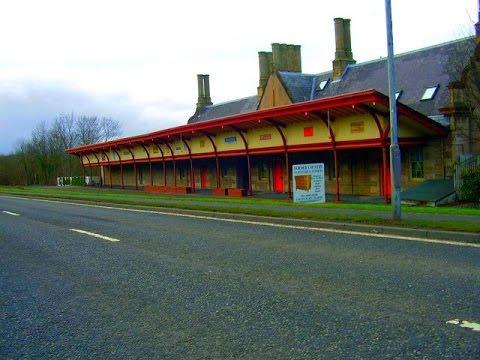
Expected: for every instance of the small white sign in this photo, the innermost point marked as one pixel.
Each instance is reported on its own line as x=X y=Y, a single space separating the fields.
x=308 y=183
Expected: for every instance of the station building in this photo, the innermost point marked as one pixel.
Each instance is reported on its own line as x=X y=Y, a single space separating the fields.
x=339 y=117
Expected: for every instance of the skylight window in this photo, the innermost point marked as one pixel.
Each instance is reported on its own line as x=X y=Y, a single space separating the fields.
x=429 y=93
x=323 y=84
x=398 y=95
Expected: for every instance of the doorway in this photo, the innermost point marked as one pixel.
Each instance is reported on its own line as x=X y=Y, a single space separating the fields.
x=204 y=178
x=277 y=176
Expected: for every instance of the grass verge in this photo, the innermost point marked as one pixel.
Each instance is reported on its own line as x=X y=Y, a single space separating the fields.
x=276 y=208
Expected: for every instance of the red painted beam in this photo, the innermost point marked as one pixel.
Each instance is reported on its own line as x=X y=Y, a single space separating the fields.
x=342 y=101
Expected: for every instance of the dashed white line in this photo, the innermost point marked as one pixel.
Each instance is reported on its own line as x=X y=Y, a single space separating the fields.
x=103 y=237
x=261 y=223
x=10 y=213
x=465 y=324
x=470 y=325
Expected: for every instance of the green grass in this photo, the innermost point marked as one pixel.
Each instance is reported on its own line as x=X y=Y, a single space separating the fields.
x=278 y=208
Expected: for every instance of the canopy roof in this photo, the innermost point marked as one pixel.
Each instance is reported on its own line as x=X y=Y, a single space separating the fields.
x=363 y=102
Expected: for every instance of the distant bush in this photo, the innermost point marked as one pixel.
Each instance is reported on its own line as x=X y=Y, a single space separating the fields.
x=78 y=181
x=470 y=188
x=74 y=180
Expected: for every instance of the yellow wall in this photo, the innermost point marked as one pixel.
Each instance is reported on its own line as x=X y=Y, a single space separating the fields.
x=361 y=127
x=274 y=94
x=295 y=133
x=358 y=127
x=223 y=145
x=264 y=137
x=200 y=145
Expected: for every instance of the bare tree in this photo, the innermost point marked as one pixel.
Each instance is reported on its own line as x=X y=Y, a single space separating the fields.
x=42 y=158
x=24 y=155
x=65 y=136
x=111 y=128
x=40 y=145
x=89 y=130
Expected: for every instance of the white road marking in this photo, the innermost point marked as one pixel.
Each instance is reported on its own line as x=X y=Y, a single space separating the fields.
x=103 y=237
x=470 y=325
x=465 y=324
x=296 y=227
x=10 y=213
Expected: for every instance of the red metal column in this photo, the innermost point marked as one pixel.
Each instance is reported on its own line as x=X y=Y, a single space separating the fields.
x=326 y=121
x=337 y=183
x=163 y=162
x=383 y=136
x=192 y=174
x=249 y=169
x=98 y=164
x=91 y=170
x=134 y=167
x=149 y=162
x=109 y=168
x=121 y=165
x=217 y=160
x=279 y=127
x=174 y=167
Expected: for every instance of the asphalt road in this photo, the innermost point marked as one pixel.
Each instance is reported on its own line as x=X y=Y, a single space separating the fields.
x=181 y=287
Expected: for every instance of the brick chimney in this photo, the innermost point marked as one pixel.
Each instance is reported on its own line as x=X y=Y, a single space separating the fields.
x=265 y=63
x=343 y=47
x=283 y=57
x=286 y=57
x=203 y=91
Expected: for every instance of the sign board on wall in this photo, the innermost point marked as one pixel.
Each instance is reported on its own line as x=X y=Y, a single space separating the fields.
x=231 y=139
x=308 y=182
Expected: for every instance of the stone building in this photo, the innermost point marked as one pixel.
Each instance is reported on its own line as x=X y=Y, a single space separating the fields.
x=338 y=117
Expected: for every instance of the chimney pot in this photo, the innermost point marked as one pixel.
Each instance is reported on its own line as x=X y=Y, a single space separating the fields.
x=343 y=47
x=203 y=91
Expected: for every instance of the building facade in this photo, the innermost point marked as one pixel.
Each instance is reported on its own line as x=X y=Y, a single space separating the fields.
x=339 y=117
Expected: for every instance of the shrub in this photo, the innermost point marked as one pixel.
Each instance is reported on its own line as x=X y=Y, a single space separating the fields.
x=470 y=188
x=78 y=181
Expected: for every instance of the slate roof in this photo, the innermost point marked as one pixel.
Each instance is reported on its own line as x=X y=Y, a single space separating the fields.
x=229 y=108
x=416 y=71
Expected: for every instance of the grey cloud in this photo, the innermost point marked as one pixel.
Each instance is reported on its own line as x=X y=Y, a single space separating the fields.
x=23 y=104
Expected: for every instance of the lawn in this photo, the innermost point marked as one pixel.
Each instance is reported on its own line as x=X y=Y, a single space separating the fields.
x=358 y=213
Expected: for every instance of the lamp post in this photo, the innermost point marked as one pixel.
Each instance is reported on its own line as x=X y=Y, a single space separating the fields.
x=395 y=160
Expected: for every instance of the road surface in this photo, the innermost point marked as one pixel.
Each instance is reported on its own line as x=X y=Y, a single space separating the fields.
x=87 y=282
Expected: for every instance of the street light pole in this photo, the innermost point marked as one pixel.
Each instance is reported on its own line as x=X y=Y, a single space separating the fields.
x=395 y=160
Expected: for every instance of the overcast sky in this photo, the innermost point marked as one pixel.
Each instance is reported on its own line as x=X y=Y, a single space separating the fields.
x=137 y=60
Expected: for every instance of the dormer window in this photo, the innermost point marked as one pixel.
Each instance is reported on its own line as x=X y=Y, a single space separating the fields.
x=398 y=95
x=323 y=84
x=429 y=93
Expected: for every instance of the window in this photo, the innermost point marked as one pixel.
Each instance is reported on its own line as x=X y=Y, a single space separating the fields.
x=224 y=171
x=331 y=168
x=398 y=95
x=416 y=163
x=140 y=176
x=262 y=171
x=429 y=93
x=323 y=84
x=182 y=173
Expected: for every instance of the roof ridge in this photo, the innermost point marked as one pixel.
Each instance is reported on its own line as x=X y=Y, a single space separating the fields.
x=384 y=58
x=415 y=51
x=230 y=101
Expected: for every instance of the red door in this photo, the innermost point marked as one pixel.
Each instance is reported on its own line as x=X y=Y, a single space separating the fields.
x=203 y=178
x=277 y=176
x=388 y=184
